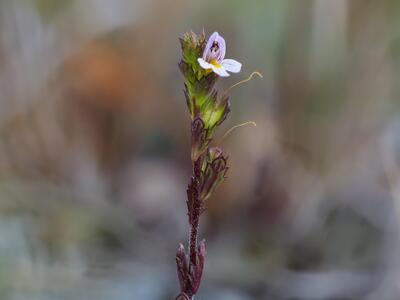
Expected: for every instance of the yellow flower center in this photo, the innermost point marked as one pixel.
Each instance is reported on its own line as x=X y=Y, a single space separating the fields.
x=215 y=63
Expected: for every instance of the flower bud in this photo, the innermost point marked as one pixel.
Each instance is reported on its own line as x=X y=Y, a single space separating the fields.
x=192 y=47
x=182 y=268
x=198 y=270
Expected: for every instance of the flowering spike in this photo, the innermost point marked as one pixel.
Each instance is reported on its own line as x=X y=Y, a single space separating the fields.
x=203 y=62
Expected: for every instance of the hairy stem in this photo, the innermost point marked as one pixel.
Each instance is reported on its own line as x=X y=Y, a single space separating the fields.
x=195 y=220
x=194 y=231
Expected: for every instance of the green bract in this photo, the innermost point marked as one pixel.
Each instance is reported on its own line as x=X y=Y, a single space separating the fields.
x=202 y=99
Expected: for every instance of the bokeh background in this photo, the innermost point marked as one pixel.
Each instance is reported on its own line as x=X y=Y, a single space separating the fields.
x=94 y=150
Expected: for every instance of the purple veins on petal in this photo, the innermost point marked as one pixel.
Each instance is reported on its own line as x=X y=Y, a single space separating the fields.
x=215 y=48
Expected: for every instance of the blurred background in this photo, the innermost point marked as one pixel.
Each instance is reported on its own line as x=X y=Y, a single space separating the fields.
x=94 y=150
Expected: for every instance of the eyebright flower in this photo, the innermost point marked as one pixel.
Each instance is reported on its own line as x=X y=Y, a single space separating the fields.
x=213 y=57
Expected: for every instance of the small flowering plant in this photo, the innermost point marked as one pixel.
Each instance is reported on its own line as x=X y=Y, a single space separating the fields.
x=203 y=62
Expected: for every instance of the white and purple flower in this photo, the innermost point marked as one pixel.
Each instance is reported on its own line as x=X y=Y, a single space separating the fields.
x=214 y=57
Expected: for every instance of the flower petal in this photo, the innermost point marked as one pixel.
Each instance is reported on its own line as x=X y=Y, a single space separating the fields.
x=222 y=48
x=205 y=65
x=220 y=70
x=210 y=41
x=231 y=65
